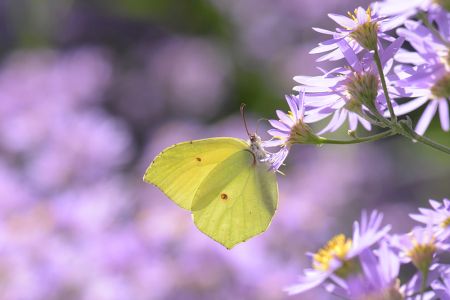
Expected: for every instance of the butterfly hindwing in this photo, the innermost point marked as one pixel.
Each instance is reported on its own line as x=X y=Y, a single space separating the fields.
x=237 y=199
x=179 y=170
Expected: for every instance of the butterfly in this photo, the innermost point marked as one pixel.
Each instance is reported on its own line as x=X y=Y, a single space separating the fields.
x=223 y=181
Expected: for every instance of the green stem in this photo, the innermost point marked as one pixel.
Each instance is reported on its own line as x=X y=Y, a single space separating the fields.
x=383 y=122
x=371 y=138
x=413 y=135
x=423 y=287
x=433 y=29
x=383 y=83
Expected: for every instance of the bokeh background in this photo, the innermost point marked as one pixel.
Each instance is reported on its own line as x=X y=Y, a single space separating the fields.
x=91 y=91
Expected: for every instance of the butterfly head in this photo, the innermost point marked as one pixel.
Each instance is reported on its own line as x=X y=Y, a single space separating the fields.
x=255 y=141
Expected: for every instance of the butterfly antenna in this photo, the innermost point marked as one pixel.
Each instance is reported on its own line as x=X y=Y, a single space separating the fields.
x=243 y=118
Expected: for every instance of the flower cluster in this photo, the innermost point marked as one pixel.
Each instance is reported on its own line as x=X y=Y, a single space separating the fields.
x=376 y=80
x=368 y=265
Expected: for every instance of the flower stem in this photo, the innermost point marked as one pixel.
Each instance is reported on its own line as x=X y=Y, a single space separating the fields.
x=437 y=34
x=413 y=135
x=371 y=138
x=383 y=83
x=423 y=286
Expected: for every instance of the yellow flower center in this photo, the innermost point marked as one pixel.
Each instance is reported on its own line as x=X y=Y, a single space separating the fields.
x=336 y=248
x=422 y=254
x=446 y=223
x=354 y=17
x=365 y=34
x=441 y=89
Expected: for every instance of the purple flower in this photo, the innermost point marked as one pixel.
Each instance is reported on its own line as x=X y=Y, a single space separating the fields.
x=361 y=30
x=403 y=10
x=429 y=79
x=438 y=217
x=348 y=92
x=378 y=279
x=289 y=129
x=441 y=286
x=420 y=246
x=338 y=259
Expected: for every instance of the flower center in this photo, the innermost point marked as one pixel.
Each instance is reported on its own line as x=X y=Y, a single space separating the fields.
x=365 y=34
x=441 y=89
x=422 y=254
x=444 y=3
x=301 y=133
x=336 y=248
x=446 y=223
x=362 y=89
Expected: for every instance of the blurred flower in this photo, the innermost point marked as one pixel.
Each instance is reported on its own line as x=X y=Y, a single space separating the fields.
x=380 y=279
x=441 y=286
x=52 y=85
x=429 y=79
x=406 y=9
x=438 y=217
x=191 y=75
x=338 y=259
x=420 y=246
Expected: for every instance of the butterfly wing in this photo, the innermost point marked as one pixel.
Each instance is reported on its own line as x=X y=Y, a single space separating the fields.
x=178 y=170
x=236 y=201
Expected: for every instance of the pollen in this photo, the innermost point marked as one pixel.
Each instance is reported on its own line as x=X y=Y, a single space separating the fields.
x=446 y=223
x=336 y=248
x=422 y=253
x=366 y=34
x=354 y=17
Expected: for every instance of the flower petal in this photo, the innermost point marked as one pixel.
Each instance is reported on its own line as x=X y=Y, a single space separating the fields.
x=426 y=117
x=279 y=125
x=409 y=106
x=443 y=114
x=342 y=20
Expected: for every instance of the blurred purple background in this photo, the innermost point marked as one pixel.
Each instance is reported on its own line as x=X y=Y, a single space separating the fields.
x=91 y=91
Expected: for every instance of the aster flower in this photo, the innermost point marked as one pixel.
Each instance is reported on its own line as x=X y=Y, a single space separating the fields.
x=441 y=286
x=379 y=278
x=339 y=258
x=289 y=129
x=360 y=29
x=412 y=289
x=428 y=81
x=438 y=217
x=403 y=10
x=348 y=92
x=420 y=247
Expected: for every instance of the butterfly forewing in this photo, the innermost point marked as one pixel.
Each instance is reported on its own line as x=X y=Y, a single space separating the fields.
x=179 y=170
